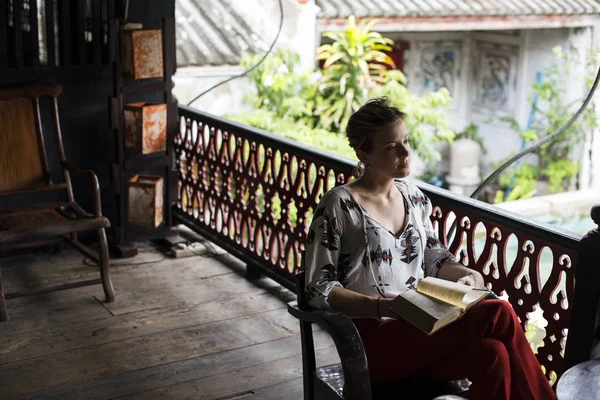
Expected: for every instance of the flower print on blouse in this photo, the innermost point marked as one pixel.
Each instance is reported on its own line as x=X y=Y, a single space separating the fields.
x=349 y=248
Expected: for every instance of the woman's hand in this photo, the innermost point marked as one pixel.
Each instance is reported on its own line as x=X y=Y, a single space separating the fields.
x=473 y=278
x=384 y=307
x=455 y=272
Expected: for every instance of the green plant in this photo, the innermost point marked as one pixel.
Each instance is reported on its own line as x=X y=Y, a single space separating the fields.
x=427 y=121
x=303 y=106
x=558 y=171
x=353 y=64
x=281 y=88
x=356 y=69
x=555 y=162
x=296 y=130
x=471 y=131
x=522 y=183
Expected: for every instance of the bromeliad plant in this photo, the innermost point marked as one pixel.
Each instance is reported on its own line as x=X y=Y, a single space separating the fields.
x=313 y=107
x=357 y=68
x=354 y=63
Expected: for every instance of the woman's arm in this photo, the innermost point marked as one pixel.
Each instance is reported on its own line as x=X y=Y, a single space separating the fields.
x=455 y=272
x=354 y=304
x=323 y=247
x=438 y=261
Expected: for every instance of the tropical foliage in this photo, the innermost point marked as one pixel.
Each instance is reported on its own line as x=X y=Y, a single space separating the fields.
x=556 y=162
x=313 y=107
x=355 y=63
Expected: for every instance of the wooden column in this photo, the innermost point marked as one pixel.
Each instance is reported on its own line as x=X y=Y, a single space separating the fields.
x=586 y=296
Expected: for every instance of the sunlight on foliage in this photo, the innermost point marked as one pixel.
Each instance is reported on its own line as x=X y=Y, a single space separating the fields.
x=313 y=107
x=556 y=162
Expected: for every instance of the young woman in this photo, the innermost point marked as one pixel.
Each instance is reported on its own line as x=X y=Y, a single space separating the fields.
x=372 y=239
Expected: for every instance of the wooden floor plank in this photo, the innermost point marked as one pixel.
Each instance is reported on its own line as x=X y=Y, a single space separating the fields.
x=238 y=383
x=44 y=268
x=116 y=357
x=148 y=379
x=51 y=310
x=289 y=390
x=147 y=295
x=21 y=346
x=71 y=306
x=178 y=328
x=41 y=272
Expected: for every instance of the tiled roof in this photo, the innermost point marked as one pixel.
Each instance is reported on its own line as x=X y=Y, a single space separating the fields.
x=218 y=32
x=452 y=8
x=221 y=32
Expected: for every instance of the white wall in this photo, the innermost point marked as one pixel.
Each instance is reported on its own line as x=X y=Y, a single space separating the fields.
x=298 y=32
x=226 y=99
x=594 y=146
x=531 y=52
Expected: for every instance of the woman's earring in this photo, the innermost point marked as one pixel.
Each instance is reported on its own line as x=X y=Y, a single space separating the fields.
x=359 y=170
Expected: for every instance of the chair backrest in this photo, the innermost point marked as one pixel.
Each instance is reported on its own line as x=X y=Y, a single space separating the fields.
x=301 y=284
x=23 y=159
x=300 y=294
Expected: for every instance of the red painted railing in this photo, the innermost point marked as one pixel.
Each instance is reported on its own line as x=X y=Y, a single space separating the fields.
x=253 y=193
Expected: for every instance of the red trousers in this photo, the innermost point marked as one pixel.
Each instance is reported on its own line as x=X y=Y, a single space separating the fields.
x=486 y=346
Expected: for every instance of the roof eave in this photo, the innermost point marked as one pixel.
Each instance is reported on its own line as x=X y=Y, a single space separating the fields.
x=466 y=23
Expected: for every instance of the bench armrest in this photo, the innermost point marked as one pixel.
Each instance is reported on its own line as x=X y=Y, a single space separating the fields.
x=75 y=171
x=357 y=383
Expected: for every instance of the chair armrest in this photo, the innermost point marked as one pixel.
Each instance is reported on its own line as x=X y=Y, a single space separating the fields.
x=357 y=382
x=73 y=170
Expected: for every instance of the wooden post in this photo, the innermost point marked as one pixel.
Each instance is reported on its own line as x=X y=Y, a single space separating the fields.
x=252 y=271
x=3 y=34
x=586 y=296
x=18 y=30
x=3 y=310
x=50 y=34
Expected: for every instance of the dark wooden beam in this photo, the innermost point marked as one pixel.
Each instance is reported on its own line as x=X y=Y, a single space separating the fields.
x=65 y=32
x=168 y=36
x=50 y=34
x=108 y=13
x=149 y=87
x=3 y=34
x=35 y=43
x=78 y=32
x=18 y=30
x=49 y=75
x=97 y=31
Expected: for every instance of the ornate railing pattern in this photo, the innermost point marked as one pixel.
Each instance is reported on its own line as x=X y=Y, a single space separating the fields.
x=254 y=190
x=254 y=193
x=532 y=265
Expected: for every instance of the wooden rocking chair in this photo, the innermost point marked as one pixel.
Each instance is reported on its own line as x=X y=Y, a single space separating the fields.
x=24 y=171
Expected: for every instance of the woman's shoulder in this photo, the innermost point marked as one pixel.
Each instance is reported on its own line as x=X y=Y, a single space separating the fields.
x=337 y=197
x=408 y=187
x=415 y=195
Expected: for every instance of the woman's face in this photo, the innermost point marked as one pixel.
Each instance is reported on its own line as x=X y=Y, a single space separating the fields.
x=390 y=156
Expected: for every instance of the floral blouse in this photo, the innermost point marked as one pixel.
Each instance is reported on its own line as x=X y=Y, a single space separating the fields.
x=347 y=247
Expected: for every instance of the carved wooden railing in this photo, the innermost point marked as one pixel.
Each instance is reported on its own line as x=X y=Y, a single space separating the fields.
x=253 y=194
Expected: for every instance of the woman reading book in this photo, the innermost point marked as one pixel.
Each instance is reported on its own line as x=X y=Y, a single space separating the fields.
x=372 y=239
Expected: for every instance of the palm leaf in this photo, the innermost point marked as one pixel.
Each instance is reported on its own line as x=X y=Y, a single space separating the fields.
x=333 y=59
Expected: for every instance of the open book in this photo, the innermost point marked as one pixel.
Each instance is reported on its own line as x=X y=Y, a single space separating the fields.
x=436 y=303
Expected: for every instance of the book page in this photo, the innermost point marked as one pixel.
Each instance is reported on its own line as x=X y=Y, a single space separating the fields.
x=433 y=307
x=458 y=295
x=473 y=297
x=426 y=313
